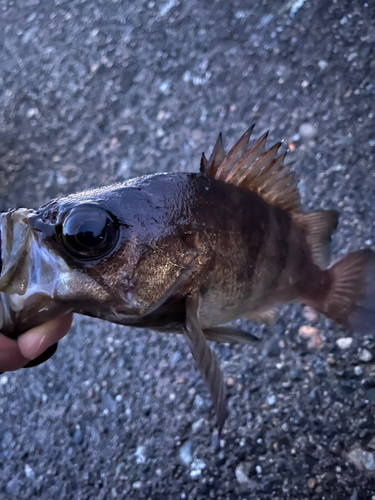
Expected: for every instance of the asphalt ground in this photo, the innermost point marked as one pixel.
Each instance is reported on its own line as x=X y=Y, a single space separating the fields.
x=93 y=92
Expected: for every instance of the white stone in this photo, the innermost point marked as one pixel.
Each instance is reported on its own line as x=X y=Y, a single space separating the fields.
x=365 y=355
x=29 y=471
x=185 y=453
x=358 y=370
x=344 y=342
x=198 y=425
x=307 y=131
x=240 y=475
x=271 y=400
x=140 y=455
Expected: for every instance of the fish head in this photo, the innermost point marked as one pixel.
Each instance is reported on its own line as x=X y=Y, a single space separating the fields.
x=106 y=253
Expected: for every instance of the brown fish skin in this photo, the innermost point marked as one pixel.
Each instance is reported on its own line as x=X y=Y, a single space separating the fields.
x=239 y=255
x=199 y=250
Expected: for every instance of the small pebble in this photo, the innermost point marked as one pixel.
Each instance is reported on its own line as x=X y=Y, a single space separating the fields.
x=311 y=483
x=365 y=355
x=175 y=358
x=258 y=469
x=194 y=474
x=198 y=401
x=323 y=64
x=185 y=453
x=307 y=131
x=108 y=401
x=368 y=460
x=196 y=468
x=362 y=459
x=358 y=370
x=241 y=477
x=344 y=342
x=198 y=425
x=78 y=437
x=29 y=471
x=271 y=400
x=272 y=348
x=230 y=382
x=4 y=380
x=311 y=334
x=352 y=56
x=137 y=485
x=140 y=455
x=310 y=314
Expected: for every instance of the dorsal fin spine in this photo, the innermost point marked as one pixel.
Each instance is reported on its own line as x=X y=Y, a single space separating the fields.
x=237 y=151
x=217 y=156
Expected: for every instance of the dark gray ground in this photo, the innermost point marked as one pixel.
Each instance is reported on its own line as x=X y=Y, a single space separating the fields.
x=93 y=92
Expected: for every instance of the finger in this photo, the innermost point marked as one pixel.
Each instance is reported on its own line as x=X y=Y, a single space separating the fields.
x=38 y=339
x=10 y=355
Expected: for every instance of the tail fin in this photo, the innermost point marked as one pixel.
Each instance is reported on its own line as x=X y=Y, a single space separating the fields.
x=351 y=298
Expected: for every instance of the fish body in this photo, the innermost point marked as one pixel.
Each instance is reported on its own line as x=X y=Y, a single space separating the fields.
x=239 y=253
x=183 y=253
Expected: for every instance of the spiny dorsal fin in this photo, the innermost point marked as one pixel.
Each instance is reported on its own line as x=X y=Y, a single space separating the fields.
x=204 y=163
x=318 y=227
x=255 y=169
x=217 y=156
x=234 y=155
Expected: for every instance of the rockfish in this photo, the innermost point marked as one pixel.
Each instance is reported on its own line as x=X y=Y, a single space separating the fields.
x=183 y=252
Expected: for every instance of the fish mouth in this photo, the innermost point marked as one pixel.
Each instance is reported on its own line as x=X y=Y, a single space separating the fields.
x=14 y=239
x=30 y=274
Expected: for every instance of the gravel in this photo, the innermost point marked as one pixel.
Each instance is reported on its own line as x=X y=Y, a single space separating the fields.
x=95 y=92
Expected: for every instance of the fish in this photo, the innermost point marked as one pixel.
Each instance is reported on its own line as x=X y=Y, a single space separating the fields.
x=184 y=253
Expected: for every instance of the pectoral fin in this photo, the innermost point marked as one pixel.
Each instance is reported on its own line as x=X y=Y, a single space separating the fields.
x=206 y=361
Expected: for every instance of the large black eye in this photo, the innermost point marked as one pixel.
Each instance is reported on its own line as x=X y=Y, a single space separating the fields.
x=88 y=232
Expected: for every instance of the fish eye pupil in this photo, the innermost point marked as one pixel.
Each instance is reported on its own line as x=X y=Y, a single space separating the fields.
x=91 y=233
x=88 y=232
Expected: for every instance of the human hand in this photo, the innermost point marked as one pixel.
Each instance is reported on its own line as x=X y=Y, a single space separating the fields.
x=15 y=354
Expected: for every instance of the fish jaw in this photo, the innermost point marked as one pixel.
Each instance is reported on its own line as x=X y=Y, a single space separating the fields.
x=14 y=236
x=31 y=275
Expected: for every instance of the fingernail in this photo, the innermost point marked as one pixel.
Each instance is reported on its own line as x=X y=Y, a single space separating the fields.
x=35 y=346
